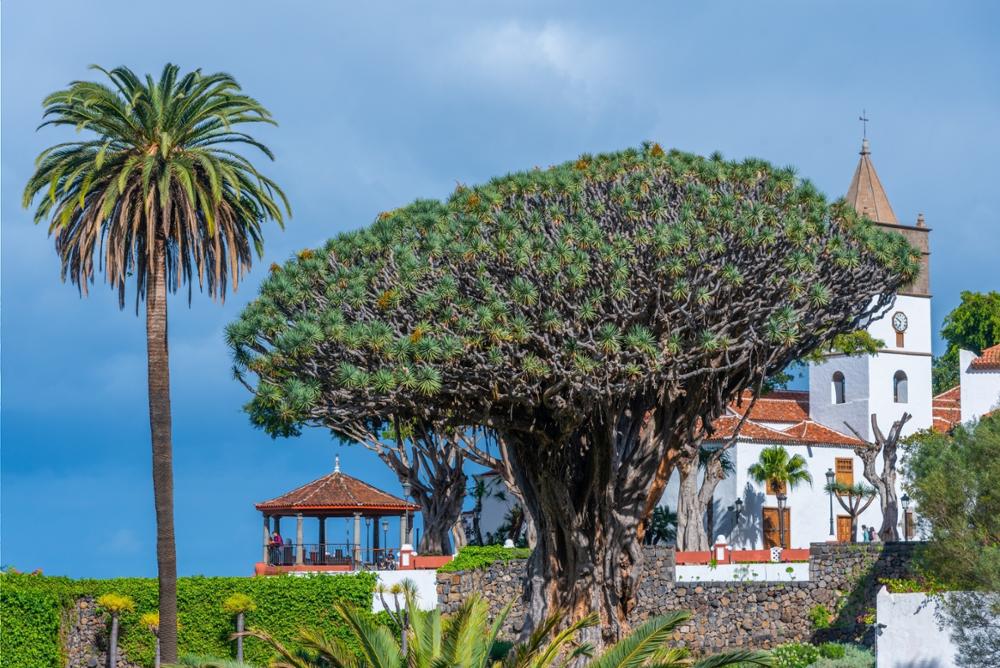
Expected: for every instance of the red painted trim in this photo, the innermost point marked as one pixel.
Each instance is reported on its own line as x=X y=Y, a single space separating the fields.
x=261 y=569
x=743 y=556
x=360 y=509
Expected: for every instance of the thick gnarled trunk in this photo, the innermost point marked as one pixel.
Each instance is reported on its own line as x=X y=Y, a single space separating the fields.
x=158 y=364
x=691 y=534
x=884 y=483
x=587 y=515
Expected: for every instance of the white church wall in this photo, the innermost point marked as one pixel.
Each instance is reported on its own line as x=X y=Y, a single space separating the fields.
x=883 y=368
x=980 y=389
x=809 y=507
x=919 y=328
x=854 y=410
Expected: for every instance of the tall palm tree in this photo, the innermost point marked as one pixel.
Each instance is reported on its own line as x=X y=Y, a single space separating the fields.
x=775 y=469
x=158 y=196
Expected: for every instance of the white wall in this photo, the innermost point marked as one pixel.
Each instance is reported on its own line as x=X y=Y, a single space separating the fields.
x=980 y=389
x=910 y=637
x=854 y=410
x=424 y=579
x=771 y=572
x=809 y=507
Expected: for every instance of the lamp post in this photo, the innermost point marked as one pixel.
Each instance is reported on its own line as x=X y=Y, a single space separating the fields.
x=829 y=484
x=906 y=517
x=782 y=499
x=385 y=532
x=404 y=531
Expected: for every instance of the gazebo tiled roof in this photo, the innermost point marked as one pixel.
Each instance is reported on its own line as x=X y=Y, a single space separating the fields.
x=333 y=494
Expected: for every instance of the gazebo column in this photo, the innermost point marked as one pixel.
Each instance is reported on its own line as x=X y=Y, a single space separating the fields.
x=299 y=552
x=322 y=539
x=277 y=524
x=376 y=542
x=267 y=535
x=357 y=540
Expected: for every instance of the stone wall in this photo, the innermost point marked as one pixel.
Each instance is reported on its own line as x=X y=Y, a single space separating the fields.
x=86 y=640
x=842 y=577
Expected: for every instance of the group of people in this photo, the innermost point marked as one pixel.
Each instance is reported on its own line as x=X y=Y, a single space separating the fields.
x=869 y=534
x=274 y=547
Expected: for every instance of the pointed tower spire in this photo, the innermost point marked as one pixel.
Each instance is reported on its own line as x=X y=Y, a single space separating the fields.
x=866 y=193
x=336 y=464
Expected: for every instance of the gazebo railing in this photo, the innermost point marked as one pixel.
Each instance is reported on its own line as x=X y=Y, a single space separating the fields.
x=347 y=555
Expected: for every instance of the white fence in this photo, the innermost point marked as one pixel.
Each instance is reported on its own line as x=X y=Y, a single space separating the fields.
x=761 y=572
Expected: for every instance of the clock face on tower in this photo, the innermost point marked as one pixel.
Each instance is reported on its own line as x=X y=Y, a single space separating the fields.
x=899 y=321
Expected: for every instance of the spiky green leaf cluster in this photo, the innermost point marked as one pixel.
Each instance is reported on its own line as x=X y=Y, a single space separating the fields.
x=559 y=288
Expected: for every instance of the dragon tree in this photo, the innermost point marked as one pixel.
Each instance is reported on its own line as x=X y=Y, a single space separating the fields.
x=594 y=315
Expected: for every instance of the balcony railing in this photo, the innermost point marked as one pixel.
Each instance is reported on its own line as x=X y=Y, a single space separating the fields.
x=347 y=555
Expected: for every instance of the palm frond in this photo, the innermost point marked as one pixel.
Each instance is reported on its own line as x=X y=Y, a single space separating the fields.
x=643 y=645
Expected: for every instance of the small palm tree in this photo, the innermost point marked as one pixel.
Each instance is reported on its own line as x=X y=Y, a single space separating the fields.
x=775 y=469
x=151 y=622
x=239 y=604
x=854 y=499
x=115 y=605
x=466 y=639
x=161 y=198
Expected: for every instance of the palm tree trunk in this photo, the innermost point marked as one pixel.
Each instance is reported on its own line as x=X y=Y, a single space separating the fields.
x=158 y=365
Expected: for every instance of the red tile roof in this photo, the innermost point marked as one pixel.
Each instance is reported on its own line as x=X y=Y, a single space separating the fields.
x=726 y=425
x=810 y=432
x=989 y=360
x=779 y=406
x=947 y=409
x=336 y=492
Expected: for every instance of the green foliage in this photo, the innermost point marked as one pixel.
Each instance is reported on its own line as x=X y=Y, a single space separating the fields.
x=953 y=481
x=541 y=283
x=973 y=325
x=794 y=655
x=662 y=526
x=115 y=603
x=775 y=467
x=852 y=656
x=473 y=557
x=832 y=650
x=819 y=616
x=29 y=623
x=33 y=606
x=237 y=603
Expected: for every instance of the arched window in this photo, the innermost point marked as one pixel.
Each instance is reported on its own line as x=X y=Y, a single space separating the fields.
x=899 y=394
x=837 y=389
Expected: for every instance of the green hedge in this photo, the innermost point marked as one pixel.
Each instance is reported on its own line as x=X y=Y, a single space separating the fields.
x=33 y=606
x=473 y=557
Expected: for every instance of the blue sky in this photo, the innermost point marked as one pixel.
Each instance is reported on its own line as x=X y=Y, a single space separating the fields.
x=381 y=103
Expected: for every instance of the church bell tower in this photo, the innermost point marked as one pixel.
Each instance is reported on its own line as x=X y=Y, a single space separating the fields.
x=897 y=379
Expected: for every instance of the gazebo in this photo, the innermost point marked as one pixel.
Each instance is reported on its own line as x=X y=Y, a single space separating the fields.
x=334 y=495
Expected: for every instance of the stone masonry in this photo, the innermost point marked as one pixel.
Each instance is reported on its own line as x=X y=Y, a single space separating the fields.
x=843 y=578
x=86 y=642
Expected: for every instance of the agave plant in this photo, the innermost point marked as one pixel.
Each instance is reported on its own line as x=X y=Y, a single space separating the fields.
x=467 y=639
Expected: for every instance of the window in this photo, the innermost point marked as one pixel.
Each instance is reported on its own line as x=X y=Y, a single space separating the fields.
x=837 y=389
x=899 y=339
x=844 y=469
x=899 y=388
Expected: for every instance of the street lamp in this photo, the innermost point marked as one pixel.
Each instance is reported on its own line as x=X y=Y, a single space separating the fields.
x=782 y=498
x=829 y=485
x=737 y=508
x=404 y=533
x=906 y=517
x=385 y=532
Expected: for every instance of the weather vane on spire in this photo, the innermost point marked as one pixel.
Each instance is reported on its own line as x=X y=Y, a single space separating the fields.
x=864 y=124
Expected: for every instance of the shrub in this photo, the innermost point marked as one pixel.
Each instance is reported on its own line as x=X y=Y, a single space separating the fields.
x=237 y=603
x=34 y=605
x=116 y=603
x=473 y=557
x=854 y=657
x=794 y=655
x=832 y=650
x=819 y=616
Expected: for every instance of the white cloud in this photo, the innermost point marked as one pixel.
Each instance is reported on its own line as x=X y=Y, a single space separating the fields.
x=515 y=53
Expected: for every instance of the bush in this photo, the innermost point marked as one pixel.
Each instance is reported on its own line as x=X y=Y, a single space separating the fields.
x=33 y=607
x=794 y=655
x=832 y=650
x=819 y=616
x=473 y=557
x=853 y=657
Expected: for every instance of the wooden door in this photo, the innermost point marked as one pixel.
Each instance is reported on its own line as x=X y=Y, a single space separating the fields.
x=844 y=529
x=772 y=531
